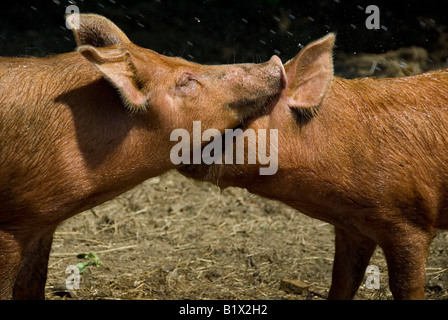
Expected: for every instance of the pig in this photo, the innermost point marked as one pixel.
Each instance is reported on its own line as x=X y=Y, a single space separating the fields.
x=365 y=155
x=80 y=128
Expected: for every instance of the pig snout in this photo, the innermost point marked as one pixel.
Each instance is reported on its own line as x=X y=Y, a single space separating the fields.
x=270 y=77
x=255 y=85
x=278 y=67
x=264 y=79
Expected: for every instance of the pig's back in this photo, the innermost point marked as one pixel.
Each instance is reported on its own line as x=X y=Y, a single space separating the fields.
x=395 y=135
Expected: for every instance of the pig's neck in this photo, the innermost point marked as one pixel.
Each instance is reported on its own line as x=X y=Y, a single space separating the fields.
x=320 y=160
x=115 y=149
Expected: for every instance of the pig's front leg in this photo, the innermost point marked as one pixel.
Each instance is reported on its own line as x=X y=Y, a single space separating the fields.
x=32 y=276
x=353 y=253
x=406 y=250
x=10 y=258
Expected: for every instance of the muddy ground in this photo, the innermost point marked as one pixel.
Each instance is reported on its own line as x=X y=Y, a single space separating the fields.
x=172 y=238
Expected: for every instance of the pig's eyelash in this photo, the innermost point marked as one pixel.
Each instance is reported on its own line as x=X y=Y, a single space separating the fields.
x=184 y=80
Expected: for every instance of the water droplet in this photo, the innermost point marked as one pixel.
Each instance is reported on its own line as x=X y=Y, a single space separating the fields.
x=384 y=28
x=311 y=19
x=360 y=8
x=262 y=42
x=197 y=19
x=277 y=52
x=353 y=26
x=244 y=20
x=190 y=43
x=292 y=16
x=140 y=24
x=300 y=45
x=33 y=8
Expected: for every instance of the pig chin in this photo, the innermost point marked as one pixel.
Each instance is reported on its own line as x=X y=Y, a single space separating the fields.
x=206 y=172
x=202 y=172
x=249 y=110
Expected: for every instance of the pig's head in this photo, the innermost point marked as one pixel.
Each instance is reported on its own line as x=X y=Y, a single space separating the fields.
x=172 y=92
x=292 y=114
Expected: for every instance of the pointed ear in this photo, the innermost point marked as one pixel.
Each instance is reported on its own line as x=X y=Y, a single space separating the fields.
x=116 y=66
x=95 y=30
x=310 y=73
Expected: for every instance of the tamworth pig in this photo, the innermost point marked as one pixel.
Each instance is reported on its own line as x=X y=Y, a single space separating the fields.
x=80 y=128
x=366 y=155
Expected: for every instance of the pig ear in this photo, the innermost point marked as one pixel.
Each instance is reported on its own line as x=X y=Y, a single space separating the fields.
x=310 y=73
x=116 y=66
x=95 y=30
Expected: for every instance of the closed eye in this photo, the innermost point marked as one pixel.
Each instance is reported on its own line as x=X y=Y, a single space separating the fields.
x=185 y=80
x=187 y=84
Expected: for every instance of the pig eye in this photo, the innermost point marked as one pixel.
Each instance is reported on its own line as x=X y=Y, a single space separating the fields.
x=187 y=84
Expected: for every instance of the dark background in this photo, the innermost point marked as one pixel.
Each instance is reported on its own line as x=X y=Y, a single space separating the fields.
x=218 y=31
